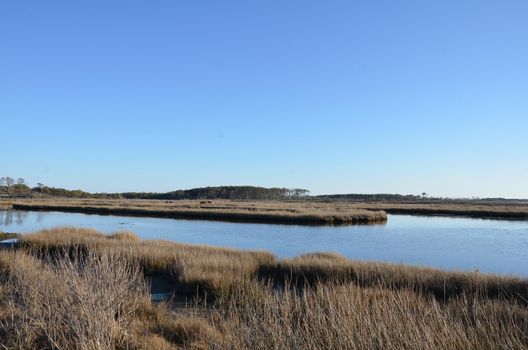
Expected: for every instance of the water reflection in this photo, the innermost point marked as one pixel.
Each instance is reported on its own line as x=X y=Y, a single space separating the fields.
x=10 y=216
x=40 y=216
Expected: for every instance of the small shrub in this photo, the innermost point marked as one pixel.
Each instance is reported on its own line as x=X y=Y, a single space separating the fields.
x=87 y=303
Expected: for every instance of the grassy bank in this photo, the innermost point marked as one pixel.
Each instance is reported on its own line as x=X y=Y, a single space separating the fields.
x=7 y=235
x=242 y=299
x=290 y=212
x=302 y=212
x=492 y=210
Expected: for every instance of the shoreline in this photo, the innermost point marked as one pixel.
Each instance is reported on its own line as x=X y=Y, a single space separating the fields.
x=308 y=213
x=484 y=215
x=377 y=217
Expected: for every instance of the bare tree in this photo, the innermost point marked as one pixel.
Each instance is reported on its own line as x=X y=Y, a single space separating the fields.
x=9 y=181
x=2 y=184
x=6 y=183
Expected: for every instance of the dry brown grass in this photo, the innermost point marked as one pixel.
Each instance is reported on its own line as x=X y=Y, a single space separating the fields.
x=315 y=212
x=85 y=303
x=211 y=269
x=315 y=301
x=509 y=211
x=188 y=330
x=315 y=268
x=88 y=302
x=331 y=316
x=124 y=236
x=280 y=212
x=189 y=265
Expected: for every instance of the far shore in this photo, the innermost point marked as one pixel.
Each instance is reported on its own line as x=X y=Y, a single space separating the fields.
x=293 y=212
x=454 y=209
x=272 y=212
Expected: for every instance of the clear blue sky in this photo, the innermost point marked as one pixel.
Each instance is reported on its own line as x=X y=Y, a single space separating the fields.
x=333 y=96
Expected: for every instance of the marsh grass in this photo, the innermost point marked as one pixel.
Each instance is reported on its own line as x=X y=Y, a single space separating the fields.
x=498 y=210
x=191 y=266
x=87 y=302
x=125 y=236
x=315 y=301
x=345 y=316
x=316 y=268
x=210 y=269
x=300 y=212
x=285 y=212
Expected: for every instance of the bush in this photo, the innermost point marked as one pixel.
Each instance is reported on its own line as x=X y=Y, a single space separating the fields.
x=85 y=303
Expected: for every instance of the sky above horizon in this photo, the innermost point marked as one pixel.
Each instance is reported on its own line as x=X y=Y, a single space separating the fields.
x=333 y=96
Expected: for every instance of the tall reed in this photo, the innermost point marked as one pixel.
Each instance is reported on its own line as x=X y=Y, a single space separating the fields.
x=344 y=316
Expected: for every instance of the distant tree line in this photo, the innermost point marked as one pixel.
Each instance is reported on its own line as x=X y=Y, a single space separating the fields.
x=381 y=197
x=11 y=188
x=223 y=192
x=389 y=197
x=19 y=188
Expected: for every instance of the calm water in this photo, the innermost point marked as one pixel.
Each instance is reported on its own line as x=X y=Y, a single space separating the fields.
x=445 y=242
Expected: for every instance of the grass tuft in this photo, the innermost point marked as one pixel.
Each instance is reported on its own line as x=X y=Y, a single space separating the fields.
x=124 y=236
